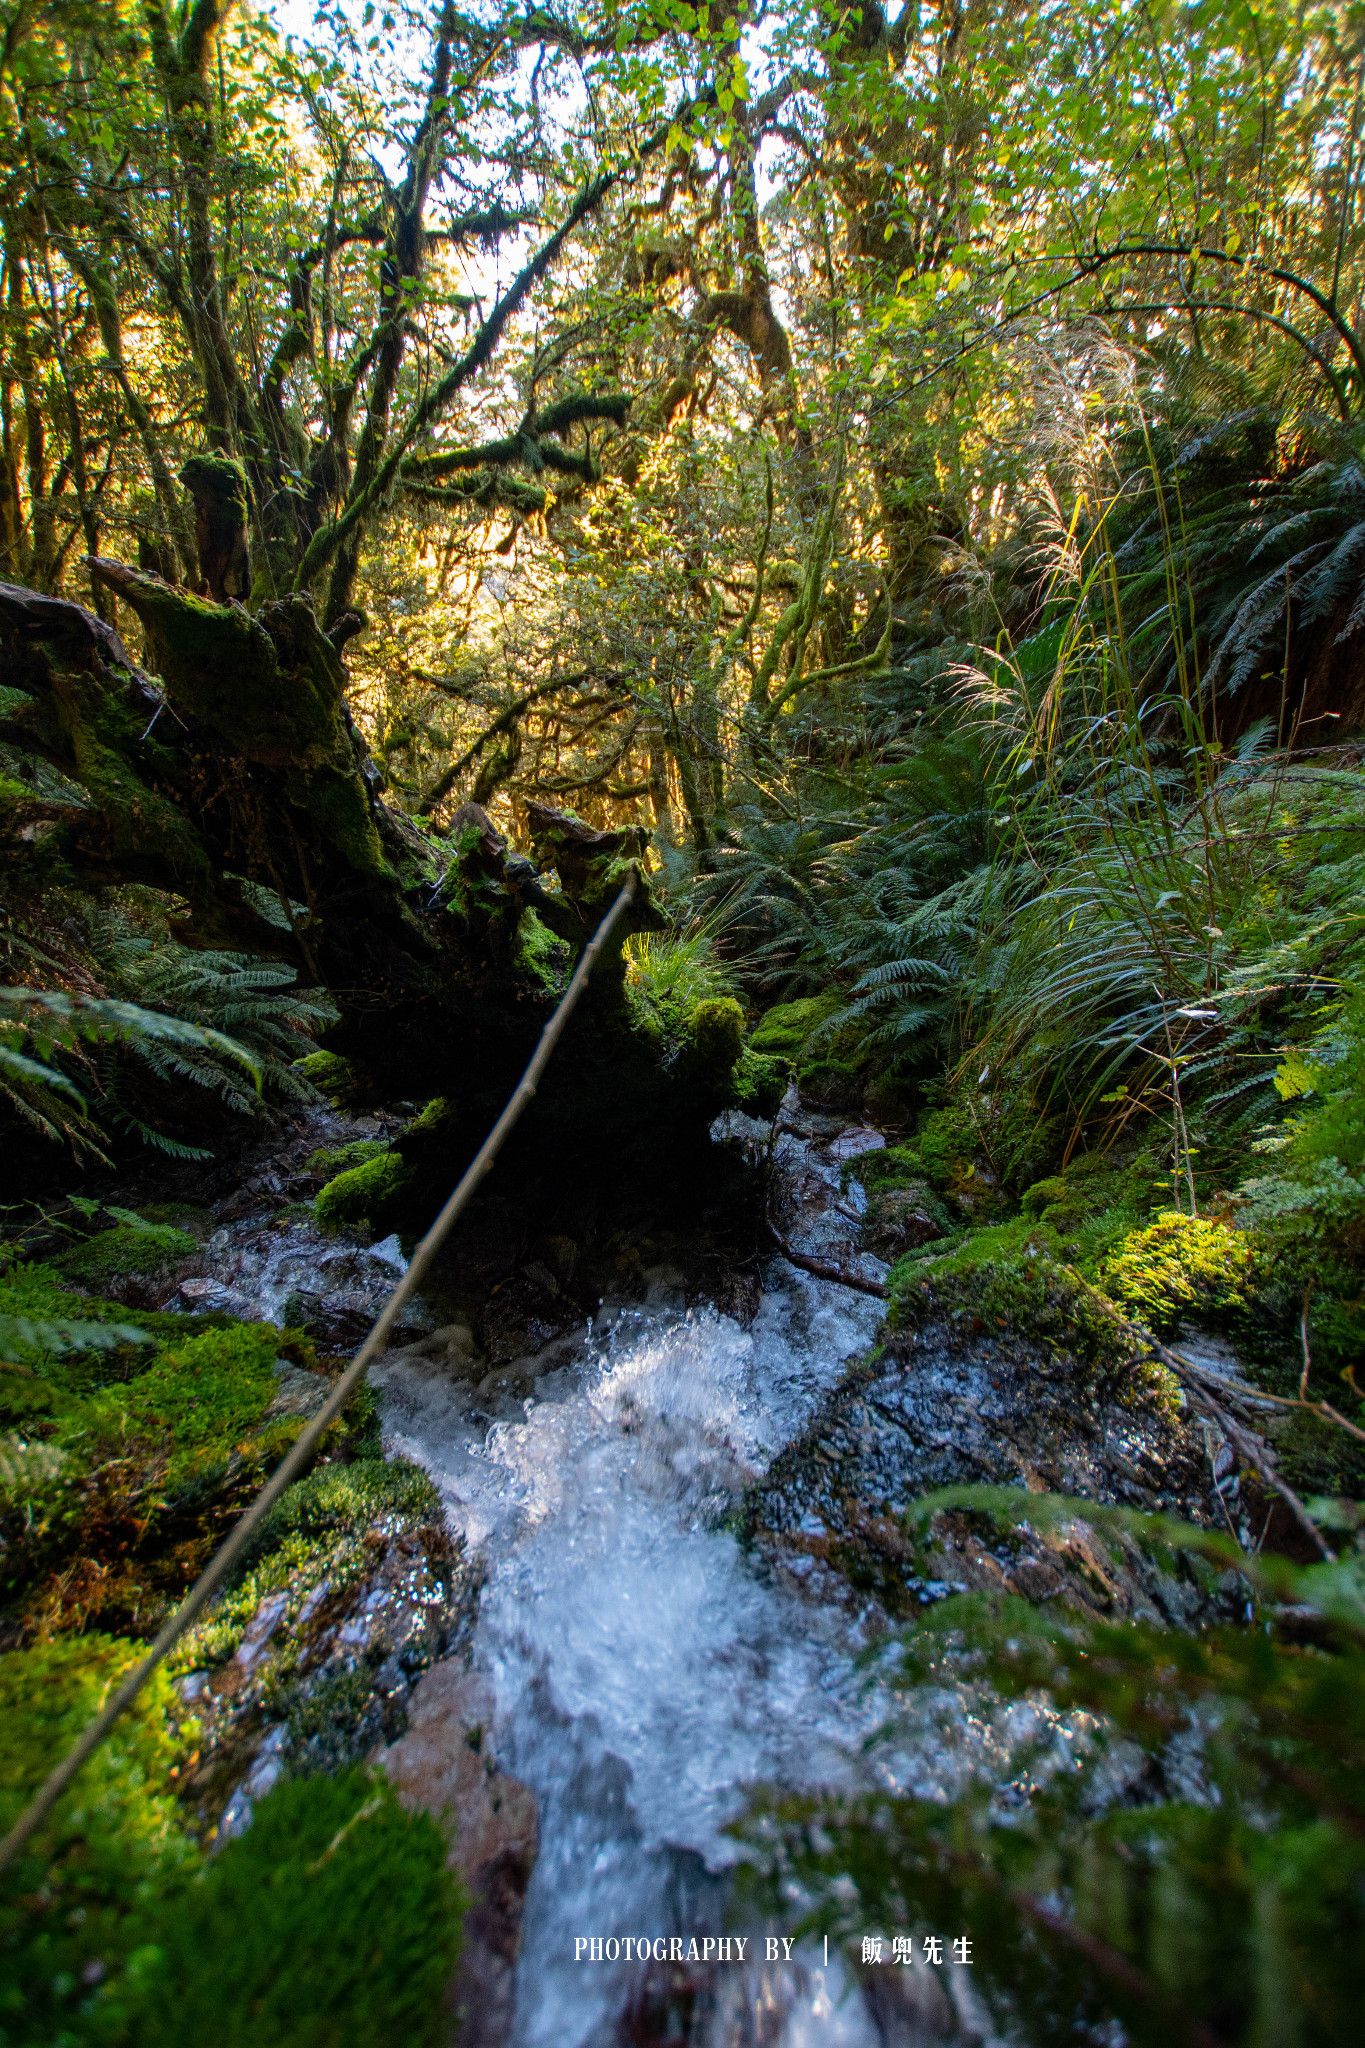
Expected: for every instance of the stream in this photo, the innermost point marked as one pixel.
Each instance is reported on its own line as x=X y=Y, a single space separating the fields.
x=637 y=1666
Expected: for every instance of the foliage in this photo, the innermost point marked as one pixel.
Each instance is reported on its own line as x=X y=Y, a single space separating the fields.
x=250 y=1001
x=1227 y=1897
x=52 y=1022
x=1179 y=1266
x=669 y=977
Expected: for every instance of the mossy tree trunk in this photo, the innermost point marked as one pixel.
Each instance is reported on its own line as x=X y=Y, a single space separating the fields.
x=236 y=783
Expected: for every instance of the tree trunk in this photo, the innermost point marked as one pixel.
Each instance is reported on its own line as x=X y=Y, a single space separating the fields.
x=248 y=777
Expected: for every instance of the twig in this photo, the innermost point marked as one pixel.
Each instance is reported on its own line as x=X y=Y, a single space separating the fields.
x=1198 y=1381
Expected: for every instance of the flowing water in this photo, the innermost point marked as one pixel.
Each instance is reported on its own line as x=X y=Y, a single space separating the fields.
x=646 y=1669
x=644 y=1673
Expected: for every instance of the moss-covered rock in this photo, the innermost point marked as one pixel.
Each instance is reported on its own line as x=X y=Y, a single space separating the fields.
x=341 y=1158
x=334 y=1077
x=1014 y=1277
x=716 y=1030
x=785 y=1028
x=904 y=1215
x=363 y=1195
x=126 y=1250
x=760 y=1082
x=834 y=1083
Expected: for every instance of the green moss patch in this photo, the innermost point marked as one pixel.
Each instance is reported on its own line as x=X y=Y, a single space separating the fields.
x=1181 y=1267
x=86 y=1884
x=332 y=1922
x=360 y=1196
x=716 y=1029
x=785 y=1028
x=127 y=1251
x=344 y=1157
x=333 y=1077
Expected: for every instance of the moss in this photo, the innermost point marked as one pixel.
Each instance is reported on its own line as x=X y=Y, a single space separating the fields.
x=338 y=803
x=203 y=1392
x=84 y=1886
x=101 y=731
x=785 y=1028
x=1181 y=1266
x=185 y=1216
x=361 y=1195
x=716 y=1030
x=760 y=1082
x=221 y=478
x=344 y=1157
x=897 y=1166
x=834 y=1082
x=143 y=1471
x=1014 y=1278
x=126 y=1251
x=888 y=1202
x=312 y=1534
x=348 y=1498
x=539 y=954
x=332 y=1076
x=333 y=1923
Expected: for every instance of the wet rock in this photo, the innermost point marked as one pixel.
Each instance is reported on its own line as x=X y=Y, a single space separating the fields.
x=559 y=1254
x=855 y=1143
x=301 y=1393
x=201 y=1294
x=943 y=1407
x=527 y=1312
x=320 y=1675
x=900 y=1218
x=445 y=1765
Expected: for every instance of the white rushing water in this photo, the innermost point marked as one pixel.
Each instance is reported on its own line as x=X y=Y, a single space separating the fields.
x=645 y=1672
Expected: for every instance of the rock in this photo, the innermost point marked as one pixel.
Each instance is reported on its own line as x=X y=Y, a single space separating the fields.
x=853 y=1144
x=900 y=1218
x=560 y=1254
x=203 y=1295
x=525 y=1314
x=445 y=1765
x=942 y=1407
x=301 y=1393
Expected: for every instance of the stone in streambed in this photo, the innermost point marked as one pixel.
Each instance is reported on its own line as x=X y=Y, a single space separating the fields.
x=948 y=1404
x=445 y=1765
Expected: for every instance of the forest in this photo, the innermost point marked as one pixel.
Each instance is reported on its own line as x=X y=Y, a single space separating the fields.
x=887 y=481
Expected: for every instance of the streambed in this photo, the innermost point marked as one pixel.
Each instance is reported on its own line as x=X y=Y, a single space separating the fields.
x=617 y=1665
